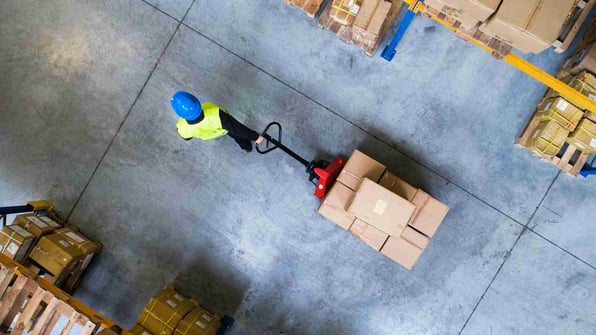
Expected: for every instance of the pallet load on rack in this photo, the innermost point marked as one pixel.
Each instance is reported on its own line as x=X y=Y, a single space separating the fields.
x=529 y=26
x=382 y=210
x=361 y=22
x=310 y=7
x=559 y=132
x=170 y=313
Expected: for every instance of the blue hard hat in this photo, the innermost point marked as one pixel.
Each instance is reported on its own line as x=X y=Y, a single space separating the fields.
x=186 y=105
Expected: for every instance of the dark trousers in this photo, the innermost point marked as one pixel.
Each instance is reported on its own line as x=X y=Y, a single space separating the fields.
x=245 y=144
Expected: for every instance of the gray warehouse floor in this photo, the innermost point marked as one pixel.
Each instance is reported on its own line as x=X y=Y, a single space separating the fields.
x=85 y=122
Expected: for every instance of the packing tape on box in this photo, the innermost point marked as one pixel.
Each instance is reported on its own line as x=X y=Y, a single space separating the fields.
x=190 y=324
x=569 y=123
x=341 y=8
x=10 y=239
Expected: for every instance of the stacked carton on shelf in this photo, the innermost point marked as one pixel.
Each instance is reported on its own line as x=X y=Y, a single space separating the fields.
x=382 y=210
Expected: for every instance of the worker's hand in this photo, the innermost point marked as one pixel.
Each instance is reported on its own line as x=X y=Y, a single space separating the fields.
x=260 y=139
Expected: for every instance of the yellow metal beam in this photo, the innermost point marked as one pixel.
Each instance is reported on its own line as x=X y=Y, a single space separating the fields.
x=533 y=71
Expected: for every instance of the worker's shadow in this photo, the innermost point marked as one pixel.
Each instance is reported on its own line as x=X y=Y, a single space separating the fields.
x=215 y=287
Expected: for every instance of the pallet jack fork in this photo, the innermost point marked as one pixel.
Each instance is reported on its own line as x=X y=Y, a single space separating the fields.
x=321 y=173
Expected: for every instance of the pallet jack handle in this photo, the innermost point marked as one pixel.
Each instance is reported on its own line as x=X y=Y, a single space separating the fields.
x=277 y=144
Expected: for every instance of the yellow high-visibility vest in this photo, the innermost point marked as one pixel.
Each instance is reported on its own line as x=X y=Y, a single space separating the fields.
x=208 y=129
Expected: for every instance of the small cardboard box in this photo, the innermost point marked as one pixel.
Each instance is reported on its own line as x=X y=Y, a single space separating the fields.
x=367 y=9
x=137 y=329
x=198 y=322
x=344 y=11
x=381 y=208
x=468 y=12
x=335 y=206
x=358 y=167
x=561 y=111
x=15 y=242
x=401 y=251
x=368 y=234
x=83 y=243
x=38 y=226
x=55 y=254
x=164 y=311
x=415 y=237
x=548 y=138
x=531 y=25
x=584 y=137
x=398 y=186
x=429 y=213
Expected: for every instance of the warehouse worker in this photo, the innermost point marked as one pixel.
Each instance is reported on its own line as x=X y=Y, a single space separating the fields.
x=207 y=121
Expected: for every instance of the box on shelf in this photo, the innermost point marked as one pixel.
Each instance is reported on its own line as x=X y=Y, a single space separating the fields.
x=15 y=242
x=198 y=322
x=561 y=111
x=530 y=26
x=336 y=204
x=415 y=237
x=548 y=138
x=137 y=329
x=584 y=137
x=468 y=12
x=368 y=234
x=344 y=11
x=55 y=254
x=38 y=226
x=582 y=60
x=164 y=311
x=401 y=251
x=381 y=208
x=429 y=213
x=358 y=167
x=398 y=186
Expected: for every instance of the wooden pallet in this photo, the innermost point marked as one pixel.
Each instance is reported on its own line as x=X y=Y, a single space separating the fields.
x=576 y=20
x=570 y=160
x=309 y=7
x=345 y=32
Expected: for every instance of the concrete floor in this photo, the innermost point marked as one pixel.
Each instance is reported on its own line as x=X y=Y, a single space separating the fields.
x=86 y=123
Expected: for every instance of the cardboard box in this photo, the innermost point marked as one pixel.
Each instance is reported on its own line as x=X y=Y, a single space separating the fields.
x=401 y=251
x=381 y=208
x=398 y=186
x=15 y=242
x=368 y=234
x=561 y=111
x=378 y=18
x=198 y=322
x=310 y=7
x=415 y=237
x=345 y=11
x=38 y=226
x=548 y=138
x=164 y=311
x=584 y=137
x=358 y=167
x=137 y=329
x=367 y=9
x=83 y=243
x=529 y=25
x=429 y=213
x=55 y=254
x=335 y=206
x=468 y=12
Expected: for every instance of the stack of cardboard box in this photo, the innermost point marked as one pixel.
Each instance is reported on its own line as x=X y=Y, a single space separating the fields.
x=310 y=7
x=361 y=22
x=382 y=210
x=170 y=313
x=529 y=25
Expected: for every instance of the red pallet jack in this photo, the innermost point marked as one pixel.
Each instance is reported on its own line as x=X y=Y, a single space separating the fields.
x=320 y=172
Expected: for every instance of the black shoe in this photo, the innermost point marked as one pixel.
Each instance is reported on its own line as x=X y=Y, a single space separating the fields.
x=248 y=150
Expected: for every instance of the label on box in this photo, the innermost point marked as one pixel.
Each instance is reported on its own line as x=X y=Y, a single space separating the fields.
x=171 y=303
x=536 y=133
x=64 y=243
x=207 y=317
x=200 y=324
x=87 y=261
x=351 y=3
x=562 y=105
x=380 y=207
x=547 y=107
x=75 y=237
x=21 y=231
x=593 y=143
x=354 y=9
x=12 y=248
x=49 y=221
x=37 y=222
x=592 y=96
x=179 y=297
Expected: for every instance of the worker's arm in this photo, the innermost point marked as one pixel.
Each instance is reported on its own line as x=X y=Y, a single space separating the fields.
x=236 y=128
